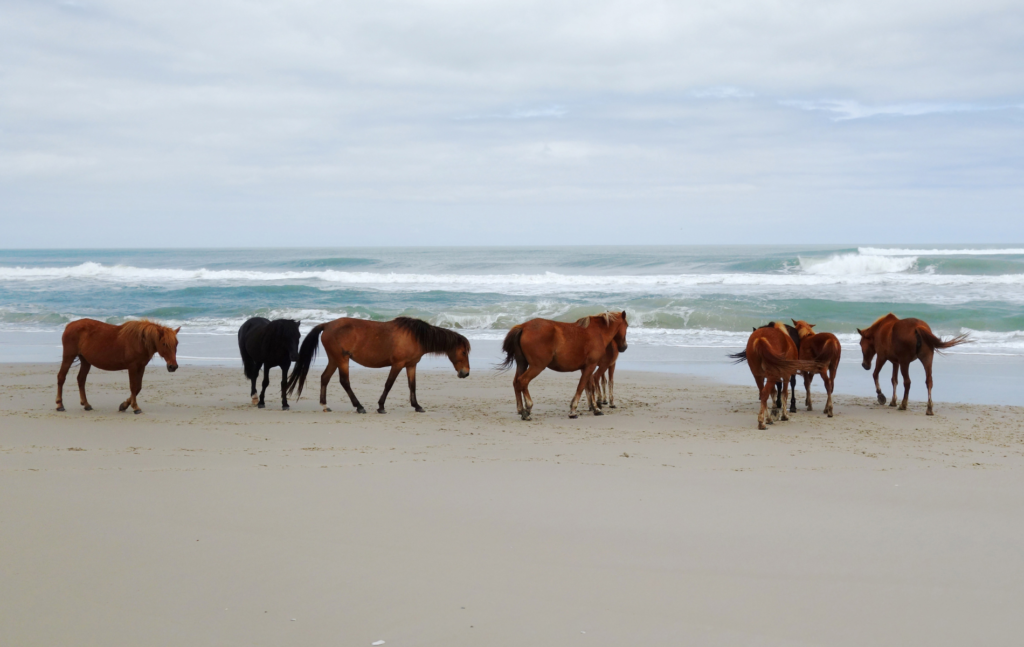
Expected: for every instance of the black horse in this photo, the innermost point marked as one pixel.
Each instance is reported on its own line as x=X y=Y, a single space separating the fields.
x=267 y=343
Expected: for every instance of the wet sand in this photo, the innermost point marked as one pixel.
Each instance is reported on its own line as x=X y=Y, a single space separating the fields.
x=671 y=520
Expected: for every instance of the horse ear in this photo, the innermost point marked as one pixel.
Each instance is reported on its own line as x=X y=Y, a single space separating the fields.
x=861 y=332
x=624 y=315
x=177 y=330
x=811 y=325
x=794 y=322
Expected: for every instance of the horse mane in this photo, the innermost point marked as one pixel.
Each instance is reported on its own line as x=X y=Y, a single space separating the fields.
x=609 y=319
x=144 y=332
x=870 y=329
x=433 y=339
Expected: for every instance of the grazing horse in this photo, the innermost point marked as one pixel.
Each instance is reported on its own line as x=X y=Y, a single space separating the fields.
x=400 y=343
x=819 y=347
x=604 y=380
x=115 y=348
x=267 y=343
x=901 y=341
x=772 y=355
x=564 y=347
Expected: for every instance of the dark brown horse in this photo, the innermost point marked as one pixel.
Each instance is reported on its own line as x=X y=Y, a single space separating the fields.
x=115 y=348
x=819 y=347
x=400 y=343
x=565 y=347
x=901 y=341
x=772 y=355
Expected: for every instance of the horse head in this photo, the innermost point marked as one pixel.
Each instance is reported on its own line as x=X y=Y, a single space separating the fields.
x=167 y=347
x=620 y=332
x=803 y=328
x=459 y=357
x=867 y=346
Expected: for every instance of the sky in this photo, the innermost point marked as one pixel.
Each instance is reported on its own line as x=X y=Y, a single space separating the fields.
x=475 y=122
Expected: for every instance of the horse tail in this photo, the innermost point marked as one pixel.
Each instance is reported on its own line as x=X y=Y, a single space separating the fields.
x=740 y=357
x=306 y=355
x=770 y=359
x=935 y=343
x=252 y=371
x=832 y=350
x=513 y=350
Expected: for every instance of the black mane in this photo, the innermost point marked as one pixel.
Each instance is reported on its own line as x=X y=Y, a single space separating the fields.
x=434 y=340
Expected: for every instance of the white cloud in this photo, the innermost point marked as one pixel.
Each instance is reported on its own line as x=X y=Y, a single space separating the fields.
x=844 y=110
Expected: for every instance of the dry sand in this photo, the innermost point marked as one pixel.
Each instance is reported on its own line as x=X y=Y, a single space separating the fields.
x=670 y=521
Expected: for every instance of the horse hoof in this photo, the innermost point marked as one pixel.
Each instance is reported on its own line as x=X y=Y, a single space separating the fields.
x=929 y=413
x=285 y=407
x=573 y=416
x=881 y=399
x=255 y=400
x=420 y=410
x=60 y=408
x=261 y=406
x=612 y=406
x=525 y=416
x=381 y=410
x=360 y=410
x=327 y=409
x=88 y=407
x=829 y=414
x=138 y=411
x=902 y=407
x=122 y=407
x=761 y=426
x=598 y=412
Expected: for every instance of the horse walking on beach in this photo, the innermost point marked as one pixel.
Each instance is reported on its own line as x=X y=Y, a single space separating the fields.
x=399 y=343
x=820 y=347
x=772 y=355
x=565 y=347
x=267 y=343
x=741 y=357
x=115 y=348
x=901 y=341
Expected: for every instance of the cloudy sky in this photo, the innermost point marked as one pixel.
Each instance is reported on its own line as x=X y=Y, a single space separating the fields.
x=231 y=123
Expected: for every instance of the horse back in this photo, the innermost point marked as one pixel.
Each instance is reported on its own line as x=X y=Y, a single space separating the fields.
x=560 y=346
x=368 y=343
x=98 y=343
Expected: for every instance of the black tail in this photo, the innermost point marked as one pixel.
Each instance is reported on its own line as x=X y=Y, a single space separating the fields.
x=252 y=371
x=513 y=351
x=306 y=355
x=740 y=357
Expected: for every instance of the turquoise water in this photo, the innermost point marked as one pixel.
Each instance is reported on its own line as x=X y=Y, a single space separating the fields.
x=675 y=296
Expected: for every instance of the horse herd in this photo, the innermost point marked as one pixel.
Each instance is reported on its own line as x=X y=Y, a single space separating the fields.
x=775 y=353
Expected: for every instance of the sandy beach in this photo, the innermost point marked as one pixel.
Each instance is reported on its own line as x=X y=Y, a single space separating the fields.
x=672 y=520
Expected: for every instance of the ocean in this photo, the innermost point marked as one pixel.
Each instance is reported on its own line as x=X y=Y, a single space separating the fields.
x=687 y=306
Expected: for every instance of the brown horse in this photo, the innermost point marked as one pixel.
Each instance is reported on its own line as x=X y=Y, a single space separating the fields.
x=564 y=347
x=400 y=343
x=604 y=380
x=819 y=347
x=772 y=355
x=115 y=348
x=901 y=341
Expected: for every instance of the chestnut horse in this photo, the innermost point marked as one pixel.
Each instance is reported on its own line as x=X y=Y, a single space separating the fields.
x=115 y=348
x=741 y=357
x=772 y=355
x=820 y=347
x=565 y=347
x=901 y=341
x=400 y=343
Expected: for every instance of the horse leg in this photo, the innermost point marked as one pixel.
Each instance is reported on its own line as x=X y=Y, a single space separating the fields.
x=792 y=393
x=83 y=372
x=266 y=382
x=135 y=383
x=345 y=384
x=905 y=369
x=775 y=396
x=808 y=377
x=585 y=378
x=602 y=390
x=395 y=370
x=252 y=394
x=62 y=375
x=611 y=386
x=778 y=398
x=785 y=396
x=895 y=382
x=517 y=389
x=879 y=363
x=410 y=372
x=764 y=394
x=926 y=361
x=325 y=379
x=524 y=386
x=830 y=382
x=284 y=385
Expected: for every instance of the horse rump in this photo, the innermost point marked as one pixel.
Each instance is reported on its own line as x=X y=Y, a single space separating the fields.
x=779 y=364
x=512 y=349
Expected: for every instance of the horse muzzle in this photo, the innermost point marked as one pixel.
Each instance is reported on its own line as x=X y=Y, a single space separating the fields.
x=623 y=347
x=866 y=365
x=172 y=367
x=463 y=374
